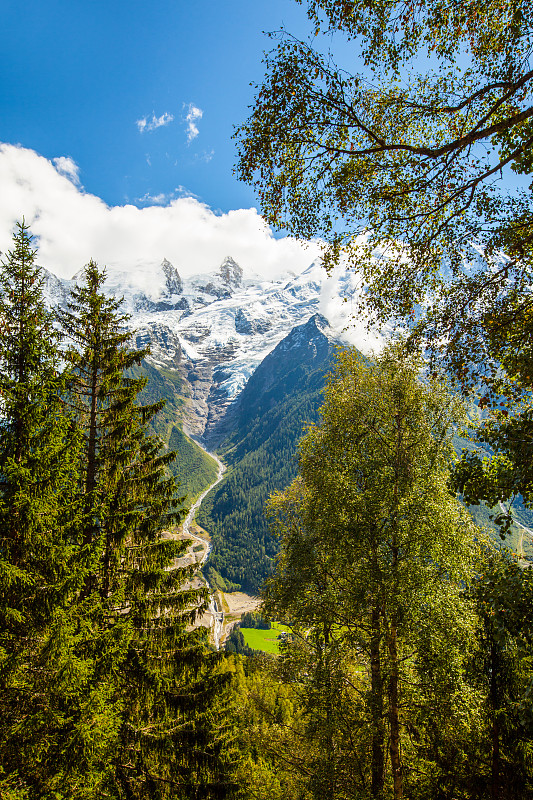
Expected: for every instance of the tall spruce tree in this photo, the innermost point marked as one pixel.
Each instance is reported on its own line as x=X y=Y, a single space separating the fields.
x=33 y=469
x=37 y=474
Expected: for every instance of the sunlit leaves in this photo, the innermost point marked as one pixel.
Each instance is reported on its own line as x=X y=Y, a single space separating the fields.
x=412 y=150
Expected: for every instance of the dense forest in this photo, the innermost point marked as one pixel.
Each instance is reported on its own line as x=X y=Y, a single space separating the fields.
x=193 y=469
x=407 y=671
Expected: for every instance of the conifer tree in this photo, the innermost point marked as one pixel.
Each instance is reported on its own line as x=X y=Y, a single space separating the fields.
x=37 y=473
x=32 y=436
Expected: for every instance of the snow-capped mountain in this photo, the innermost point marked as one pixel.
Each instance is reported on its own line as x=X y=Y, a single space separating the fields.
x=217 y=328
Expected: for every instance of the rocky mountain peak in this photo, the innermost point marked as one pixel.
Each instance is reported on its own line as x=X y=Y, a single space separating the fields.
x=216 y=329
x=316 y=329
x=173 y=282
x=230 y=272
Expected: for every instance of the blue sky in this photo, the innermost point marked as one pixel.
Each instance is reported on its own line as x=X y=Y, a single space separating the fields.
x=78 y=76
x=116 y=123
x=109 y=108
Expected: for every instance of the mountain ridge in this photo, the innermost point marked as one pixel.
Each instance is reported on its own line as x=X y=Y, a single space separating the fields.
x=216 y=328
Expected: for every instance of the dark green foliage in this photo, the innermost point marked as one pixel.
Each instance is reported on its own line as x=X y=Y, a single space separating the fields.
x=112 y=695
x=216 y=581
x=193 y=469
x=34 y=462
x=504 y=668
x=501 y=468
x=162 y=384
x=253 y=619
x=140 y=610
x=235 y=643
x=38 y=469
x=493 y=519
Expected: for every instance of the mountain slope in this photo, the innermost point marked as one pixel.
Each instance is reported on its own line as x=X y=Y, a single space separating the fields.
x=280 y=399
x=194 y=469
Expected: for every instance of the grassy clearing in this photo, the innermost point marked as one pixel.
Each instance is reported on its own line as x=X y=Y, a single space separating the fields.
x=267 y=641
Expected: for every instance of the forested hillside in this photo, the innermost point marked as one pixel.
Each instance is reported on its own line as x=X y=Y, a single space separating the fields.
x=281 y=398
x=193 y=468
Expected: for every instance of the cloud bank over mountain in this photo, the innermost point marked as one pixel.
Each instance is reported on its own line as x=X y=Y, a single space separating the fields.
x=72 y=226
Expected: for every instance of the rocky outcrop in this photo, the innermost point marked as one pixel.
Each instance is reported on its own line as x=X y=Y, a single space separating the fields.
x=164 y=344
x=231 y=272
x=173 y=282
x=248 y=326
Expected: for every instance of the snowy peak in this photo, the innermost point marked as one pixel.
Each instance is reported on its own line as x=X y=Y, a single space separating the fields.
x=298 y=363
x=313 y=332
x=173 y=282
x=220 y=285
x=308 y=343
x=230 y=272
x=166 y=294
x=149 y=290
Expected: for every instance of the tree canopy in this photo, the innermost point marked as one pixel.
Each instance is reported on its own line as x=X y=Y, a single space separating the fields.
x=108 y=688
x=405 y=161
x=375 y=551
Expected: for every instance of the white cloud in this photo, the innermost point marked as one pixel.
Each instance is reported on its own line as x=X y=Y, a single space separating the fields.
x=73 y=226
x=193 y=115
x=66 y=166
x=145 y=124
x=206 y=156
x=339 y=298
x=151 y=199
x=163 y=199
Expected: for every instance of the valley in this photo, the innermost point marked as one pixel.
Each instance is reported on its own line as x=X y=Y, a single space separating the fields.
x=225 y=609
x=240 y=364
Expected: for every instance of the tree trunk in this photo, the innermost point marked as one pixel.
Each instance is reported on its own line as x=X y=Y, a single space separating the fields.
x=90 y=475
x=378 y=731
x=400 y=467
x=495 y=732
x=394 y=716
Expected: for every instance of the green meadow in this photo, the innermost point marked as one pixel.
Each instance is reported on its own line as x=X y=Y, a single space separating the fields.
x=267 y=641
